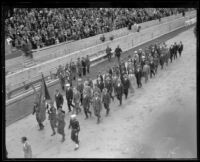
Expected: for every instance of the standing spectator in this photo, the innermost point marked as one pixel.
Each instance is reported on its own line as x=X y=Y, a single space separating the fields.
x=83 y=62
x=26 y=148
x=108 y=52
x=88 y=64
x=118 y=52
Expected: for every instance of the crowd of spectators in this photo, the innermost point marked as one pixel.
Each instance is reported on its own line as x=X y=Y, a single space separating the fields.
x=39 y=27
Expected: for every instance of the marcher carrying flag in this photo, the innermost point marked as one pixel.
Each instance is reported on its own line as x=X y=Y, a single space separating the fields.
x=40 y=103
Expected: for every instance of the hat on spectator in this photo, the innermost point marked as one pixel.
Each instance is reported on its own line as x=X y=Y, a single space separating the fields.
x=79 y=79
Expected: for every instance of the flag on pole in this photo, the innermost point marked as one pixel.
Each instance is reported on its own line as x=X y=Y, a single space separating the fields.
x=37 y=97
x=44 y=90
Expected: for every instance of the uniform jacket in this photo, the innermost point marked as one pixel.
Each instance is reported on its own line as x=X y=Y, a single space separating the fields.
x=126 y=83
x=74 y=124
x=69 y=94
x=76 y=97
x=119 y=89
x=80 y=88
x=59 y=99
x=61 y=122
x=106 y=98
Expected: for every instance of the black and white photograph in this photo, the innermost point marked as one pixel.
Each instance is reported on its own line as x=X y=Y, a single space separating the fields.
x=100 y=82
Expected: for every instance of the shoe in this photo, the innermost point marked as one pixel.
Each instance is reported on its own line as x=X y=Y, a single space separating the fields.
x=53 y=134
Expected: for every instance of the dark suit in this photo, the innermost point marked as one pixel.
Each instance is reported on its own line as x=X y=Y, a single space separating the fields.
x=59 y=100
x=138 y=74
x=119 y=92
x=126 y=84
x=69 y=97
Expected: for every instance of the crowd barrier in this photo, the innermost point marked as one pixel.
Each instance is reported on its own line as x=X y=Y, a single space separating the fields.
x=126 y=42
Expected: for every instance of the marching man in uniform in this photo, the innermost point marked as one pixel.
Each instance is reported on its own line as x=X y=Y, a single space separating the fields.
x=59 y=99
x=97 y=106
x=126 y=85
x=106 y=100
x=74 y=124
x=119 y=91
x=61 y=123
x=76 y=99
x=40 y=111
x=69 y=97
x=52 y=117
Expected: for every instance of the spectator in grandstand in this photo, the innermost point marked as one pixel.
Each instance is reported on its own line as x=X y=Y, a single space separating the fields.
x=47 y=26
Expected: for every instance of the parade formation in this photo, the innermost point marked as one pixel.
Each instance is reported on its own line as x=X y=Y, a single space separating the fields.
x=83 y=95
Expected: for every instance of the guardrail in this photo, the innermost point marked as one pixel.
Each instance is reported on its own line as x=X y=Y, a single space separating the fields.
x=139 y=37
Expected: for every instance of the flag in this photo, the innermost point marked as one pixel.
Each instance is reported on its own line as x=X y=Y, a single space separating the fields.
x=44 y=91
x=37 y=97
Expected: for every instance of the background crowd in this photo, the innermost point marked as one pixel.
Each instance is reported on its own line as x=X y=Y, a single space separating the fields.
x=39 y=27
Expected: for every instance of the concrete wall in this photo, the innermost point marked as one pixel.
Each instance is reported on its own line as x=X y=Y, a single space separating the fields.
x=126 y=42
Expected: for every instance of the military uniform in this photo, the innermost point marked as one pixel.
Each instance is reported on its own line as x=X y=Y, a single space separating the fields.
x=69 y=97
x=152 y=68
x=97 y=107
x=79 y=68
x=146 y=71
x=126 y=85
x=109 y=87
x=180 y=48
x=80 y=87
x=138 y=74
x=86 y=104
x=40 y=111
x=76 y=99
x=119 y=92
x=106 y=101
x=59 y=100
x=61 y=124
x=52 y=118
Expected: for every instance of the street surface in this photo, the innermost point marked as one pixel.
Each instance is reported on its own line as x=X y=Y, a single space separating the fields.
x=158 y=121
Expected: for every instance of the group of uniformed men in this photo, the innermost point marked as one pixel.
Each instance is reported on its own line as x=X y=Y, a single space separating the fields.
x=117 y=81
